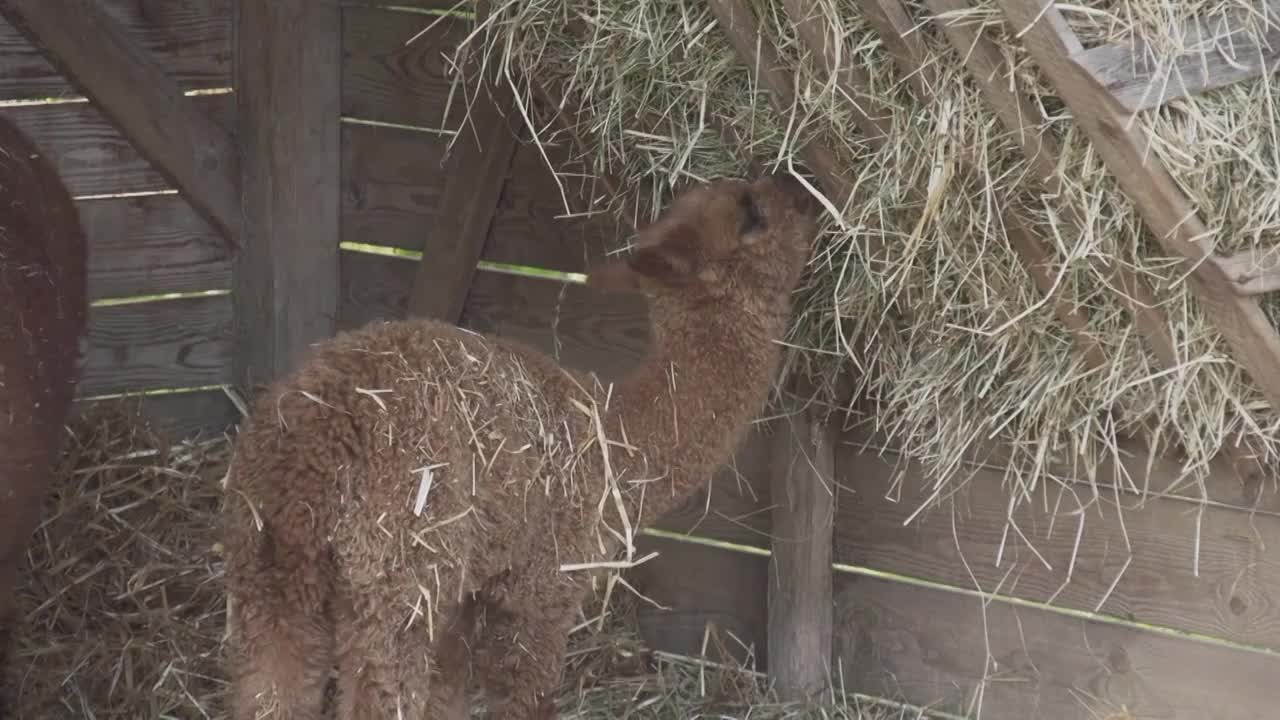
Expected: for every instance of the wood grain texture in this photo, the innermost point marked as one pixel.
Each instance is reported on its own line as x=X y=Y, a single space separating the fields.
x=1167 y=212
x=606 y=333
x=152 y=244
x=190 y=39
x=168 y=344
x=533 y=227
x=1219 y=53
x=392 y=184
x=1135 y=563
x=288 y=80
x=704 y=593
x=197 y=415
x=188 y=147
x=475 y=172
x=892 y=23
x=800 y=601
x=386 y=80
x=1253 y=272
x=90 y=154
x=930 y=647
x=581 y=327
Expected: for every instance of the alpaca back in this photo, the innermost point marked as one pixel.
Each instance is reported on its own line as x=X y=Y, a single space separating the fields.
x=415 y=448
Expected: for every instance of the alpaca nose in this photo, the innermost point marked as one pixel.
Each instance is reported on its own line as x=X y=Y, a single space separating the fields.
x=800 y=197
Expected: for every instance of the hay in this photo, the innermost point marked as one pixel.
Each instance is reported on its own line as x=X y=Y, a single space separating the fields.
x=125 y=606
x=659 y=97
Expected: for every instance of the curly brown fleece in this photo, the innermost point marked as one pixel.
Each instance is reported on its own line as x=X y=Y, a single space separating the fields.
x=42 y=315
x=404 y=503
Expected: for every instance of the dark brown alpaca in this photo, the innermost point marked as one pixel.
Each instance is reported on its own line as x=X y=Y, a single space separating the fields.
x=42 y=315
x=500 y=450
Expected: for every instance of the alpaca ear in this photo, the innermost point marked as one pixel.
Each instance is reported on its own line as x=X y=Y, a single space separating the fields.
x=671 y=261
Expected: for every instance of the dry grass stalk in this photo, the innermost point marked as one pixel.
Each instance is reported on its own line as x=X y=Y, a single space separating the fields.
x=126 y=611
x=653 y=78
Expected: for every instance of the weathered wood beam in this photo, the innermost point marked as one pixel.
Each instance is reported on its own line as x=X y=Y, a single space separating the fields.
x=802 y=460
x=285 y=280
x=477 y=168
x=1220 y=55
x=872 y=119
x=1023 y=119
x=188 y=147
x=1253 y=272
x=1149 y=185
x=892 y=23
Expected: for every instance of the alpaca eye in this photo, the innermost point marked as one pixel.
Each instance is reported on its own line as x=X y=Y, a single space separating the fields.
x=752 y=220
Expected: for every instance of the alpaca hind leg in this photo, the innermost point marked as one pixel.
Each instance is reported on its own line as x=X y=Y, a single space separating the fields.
x=520 y=657
x=386 y=670
x=286 y=653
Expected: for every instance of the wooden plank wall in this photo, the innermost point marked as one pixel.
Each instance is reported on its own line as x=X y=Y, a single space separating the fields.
x=1165 y=610
x=145 y=240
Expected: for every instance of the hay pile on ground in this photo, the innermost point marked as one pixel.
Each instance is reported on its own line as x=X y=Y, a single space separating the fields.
x=125 y=609
x=659 y=96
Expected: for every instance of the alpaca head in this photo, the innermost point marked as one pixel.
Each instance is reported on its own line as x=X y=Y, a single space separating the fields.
x=725 y=240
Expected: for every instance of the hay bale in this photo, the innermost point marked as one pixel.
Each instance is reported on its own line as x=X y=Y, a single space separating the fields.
x=656 y=89
x=125 y=610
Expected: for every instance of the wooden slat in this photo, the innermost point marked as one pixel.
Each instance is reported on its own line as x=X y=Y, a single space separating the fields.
x=1219 y=53
x=892 y=23
x=197 y=415
x=91 y=156
x=152 y=244
x=703 y=593
x=1137 y=564
x=584 y=328
x=188 y=147
x=477 y=168
x=934 y=648
x=1254 y=341
x=1253 y=272
x=288 y=81
x=803 y=465
x=1022 y=119
x=386 y=80
x=603 y=332
x=391 y=185
x=169 y=344
x=191 y=39
x=530 y=226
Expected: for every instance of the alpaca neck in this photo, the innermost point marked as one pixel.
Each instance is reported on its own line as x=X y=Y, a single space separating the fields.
x=688 y=404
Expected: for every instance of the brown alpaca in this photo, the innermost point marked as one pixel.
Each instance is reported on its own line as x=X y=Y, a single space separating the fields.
x=328 y=556
x=42 y=315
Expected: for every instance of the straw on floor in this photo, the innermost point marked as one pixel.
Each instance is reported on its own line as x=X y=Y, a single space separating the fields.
x=126 y=617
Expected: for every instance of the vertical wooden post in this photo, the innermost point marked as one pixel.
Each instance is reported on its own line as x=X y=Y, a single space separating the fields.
x=288 y=81
x=800 y=592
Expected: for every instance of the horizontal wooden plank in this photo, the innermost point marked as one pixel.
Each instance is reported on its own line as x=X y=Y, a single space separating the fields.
x=1219 y=53
x=386 y=80
x=153 y=345
x=1137 y=563
x=196 y=415
x=91 y=156
x=149 y=245
x=582 y=327
x=190 y=38
x=936 y=648
x=696 y=586
x=594 y=331
x=392 y=182
x=532 y=227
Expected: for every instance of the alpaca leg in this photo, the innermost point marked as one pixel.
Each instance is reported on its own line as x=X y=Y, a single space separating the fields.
x=386 y=671
x=286 y=652
x=521 y=658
